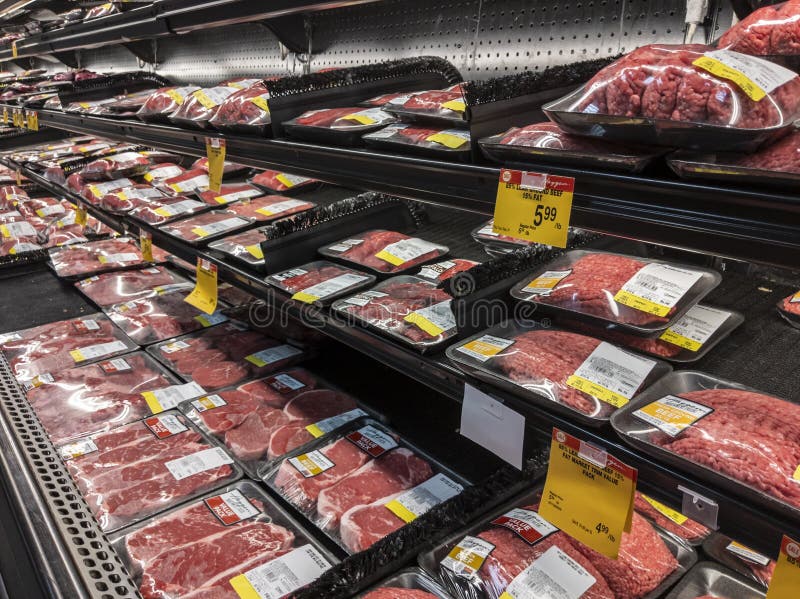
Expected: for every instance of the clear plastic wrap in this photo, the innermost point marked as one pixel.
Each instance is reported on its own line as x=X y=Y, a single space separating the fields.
x=740 y=439
x=789 y=309
x=384 y=251
x=447 y=106
x=245 y=247
x=163 y=316
x=194 y=180
x=670 y=95
x=197 y=549
x=547 y=143
x=670 y=520
x=269 y=208
x=228 y=168
x=126 y=199
x=343 y=483
x=165 y=170
x=276 y=181
x=320 y=282
x=484 y=559
x=53 y=347
x=411 y=583
x=87 y=400
x=204 y=227
x=708 y=580
x=442 y=271
x=102 y=10
x=126 y=164
x=740 y=558
x=94 y=257
x=246 y=111
x=44 y=208
x=406 y=308
x=165 y=101
x=134 y=471
x=768 y=31
x=127 y=285
x=261 y=421
x=167 y=209
x=452 y=144
x=640 y=295
x=229 y=193
x=200 y=106
x=225 y=355
x=95 y=192
x=338 y=125
x=579 y=376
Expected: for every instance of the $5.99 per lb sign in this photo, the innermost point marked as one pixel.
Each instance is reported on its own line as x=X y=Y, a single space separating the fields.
x=534 y=207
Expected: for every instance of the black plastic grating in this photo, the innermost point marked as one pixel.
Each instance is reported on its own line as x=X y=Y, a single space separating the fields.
x=95 y=561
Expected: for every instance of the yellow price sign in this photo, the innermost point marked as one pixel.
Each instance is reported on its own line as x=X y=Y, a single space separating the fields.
x=204 y=295
x=146 y=243
x=14 y=51
x=33 y=121
x=588 y=494
x=80 y=215
x=215 y=151
x=5 y=115
x=786 y=579
x=534 y=207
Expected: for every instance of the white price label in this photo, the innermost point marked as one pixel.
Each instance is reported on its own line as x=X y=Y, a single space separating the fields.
x=413 y=503
x=237 y=195
x=99 y=350
x=181 y=207
x=434 y=320
x=162 y=172
x=672 y=414
x=466 y=558
x=273 y=354
x=231 y=507
x=364 y=298
x=169 y=397
x=16 y=230
x=220 y=226
x=660 y=285
x=198 y=182
x=209 y=320
x=312 y=463
x=283 y=575
x=767 y=75
x=372 y=441
x=345 y=245
x=50 y=210
x=485 y=347
x=281 y=207
x=386 y=132
x=101 y=189
x=696 y=327
x=747 y=553
x=195 y=463
x=77 y=449
x=333 y=286
x=323 y=427
x=209 y=402
x=546 y=282
x=405 y=250
x=119 y=258
x=174 y=346
x=434 y=271
x=492 y=425
x=554 y=575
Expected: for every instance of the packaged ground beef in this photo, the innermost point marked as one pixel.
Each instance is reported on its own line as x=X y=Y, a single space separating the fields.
x=343 y=126
x=320 y=282
x=261 y=421
x=246 y=111
x=351 y=484
x=514 y=550
x=134 y=471
x=204 y=227
x=409 y=309
x=740 y=558
x=245 y=247
x=672 y=521
x=384 y=251
x=450 y=144
x=411 y=583
x=673 y=95
x=199 y=106
x=577 y=375
x=233 y=533
x=276 y=181
x=789 y=308
x=742 y=440
x=547 y=143
x=767 y=31
x=640 y=295
x=126 y=285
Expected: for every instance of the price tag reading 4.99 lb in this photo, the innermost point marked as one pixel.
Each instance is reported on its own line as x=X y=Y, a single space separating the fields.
x=204 y=295
x=786 y=579
x=588 y=494
x=534 y=207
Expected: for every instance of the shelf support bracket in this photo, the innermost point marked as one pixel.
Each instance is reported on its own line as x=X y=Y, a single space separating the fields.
x=70 y=59
x=145 y=50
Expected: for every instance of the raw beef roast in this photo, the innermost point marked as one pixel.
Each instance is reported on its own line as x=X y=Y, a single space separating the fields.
x=364 y=525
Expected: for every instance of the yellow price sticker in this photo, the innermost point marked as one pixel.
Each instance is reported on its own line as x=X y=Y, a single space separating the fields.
x=255 y=251
x=204 y=295
x=631 y=300
x=287 y=182
x=448 y=140
x=33 y=121
x=588 y=494
x=19 y=178
x=80 y=215
x=306 y=298
x=363 y=119
x=426 y=325
x=5 y=115
x=174 y=96
x=720 y=69
x=201 y=97
x=786 y=578
x=215 y=151
x=152 y=402
x=261 y=102
x=390 y=258
x=146 y=243
x=665 y=510
x=602 y=393
x=401 y=511
x=14 y=50
x=455 y=105
x=674 y=338
x=534 y=207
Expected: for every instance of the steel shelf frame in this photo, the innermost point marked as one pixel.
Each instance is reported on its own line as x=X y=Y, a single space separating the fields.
x=745 y=223
x=754 y=525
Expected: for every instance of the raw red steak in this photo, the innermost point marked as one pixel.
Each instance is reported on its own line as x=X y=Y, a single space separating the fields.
x=250 y=440
x=277 y=390
x=325 y=117
x=318 y=405
x=398 y=470
x=749 y=437
x=288 y=437
x=549 y=136
x=196 y=228
x=228 y=168
x=95 y=256
x=221 y=374
x=430 y=102
x=163 y=102
x=303 y=492
x=200 y=106
x=117 y=287
x=364 y=525
x=398 y=593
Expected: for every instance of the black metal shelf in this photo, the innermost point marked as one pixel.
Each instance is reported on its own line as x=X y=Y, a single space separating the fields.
x=750 y=224
x=163 y=19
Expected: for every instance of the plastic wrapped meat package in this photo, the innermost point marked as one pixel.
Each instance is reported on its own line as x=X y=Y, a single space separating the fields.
x=320 y=282
x=411 y=583
x=447 y=269
x=87 y=400
x=440 y=105
x=261 y=421
x=204 y=227
x=159 y=211
x=338 y=125
x=690 y=338
x=673 y=95
x=789 y=309
x=736 y=437
x=739 y=557
x=225 y=355
x=514 y=549
x=496 y=244
x=709 y=580
x=136 y=470
x=164 y=101
x=126 y=285
x=126 y=199
x=275 y=181
x=95 y=257
x=768 y=31
x=384 y=251
x=228 y=168
x=94 y=192
x=451 y=144
x=164 y=170
x=669 y=520
x=409 y=309
x=204 y=548
x=200 y=106
x=245 y=247
x=582 y=377
x=56 y=346
x=229 y=193
x=18 y=238
x=269 y=208
x=246 y=111
x=163 y=316
x=546 y=142
x=357 y=485
x=639 y=295
x=126 y=164
x=194 y=180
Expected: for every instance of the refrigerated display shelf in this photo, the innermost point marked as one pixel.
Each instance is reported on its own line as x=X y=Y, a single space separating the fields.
x=745 y=223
